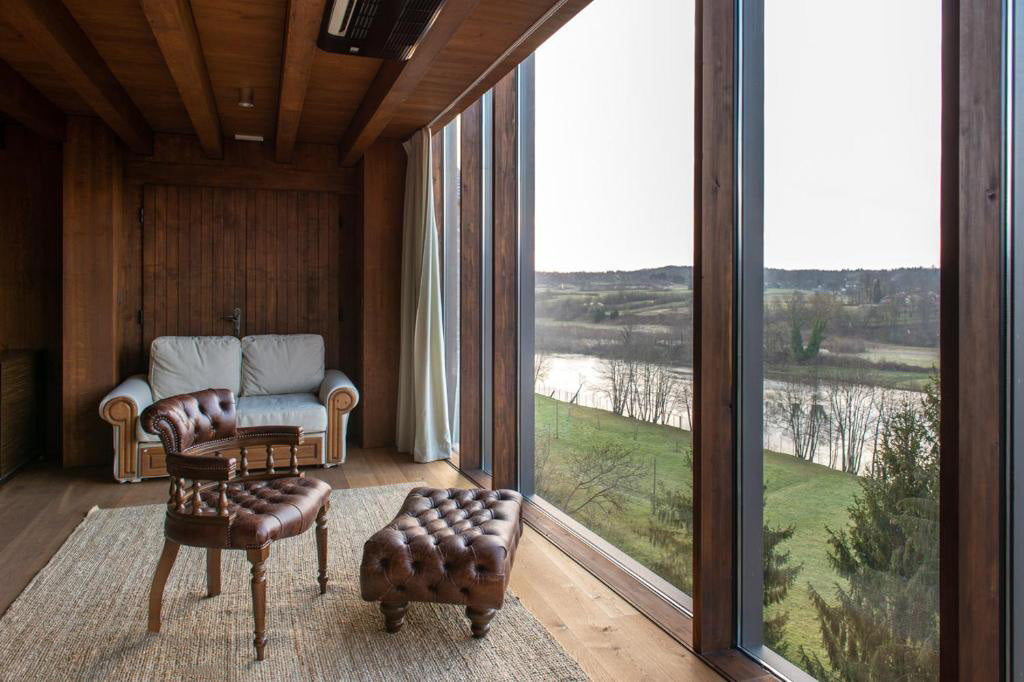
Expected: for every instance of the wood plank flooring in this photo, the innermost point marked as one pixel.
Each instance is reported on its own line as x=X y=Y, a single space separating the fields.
x=40 y=506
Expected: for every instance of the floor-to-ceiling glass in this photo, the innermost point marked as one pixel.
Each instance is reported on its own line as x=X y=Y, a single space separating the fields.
x=609 y=101
x=849 y=356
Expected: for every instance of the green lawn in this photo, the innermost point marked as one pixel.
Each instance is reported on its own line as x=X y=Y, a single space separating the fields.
x=807 y=496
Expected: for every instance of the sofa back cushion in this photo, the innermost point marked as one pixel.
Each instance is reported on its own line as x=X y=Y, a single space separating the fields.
x=183 y=364
x=273 y=364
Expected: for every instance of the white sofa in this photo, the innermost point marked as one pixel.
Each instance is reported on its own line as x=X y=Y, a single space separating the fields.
x=277 y=379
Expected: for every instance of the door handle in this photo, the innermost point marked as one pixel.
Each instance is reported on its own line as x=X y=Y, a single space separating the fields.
x=236 y=318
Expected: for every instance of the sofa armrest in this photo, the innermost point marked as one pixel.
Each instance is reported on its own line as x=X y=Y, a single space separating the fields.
x=127 y=401
x=338 y=392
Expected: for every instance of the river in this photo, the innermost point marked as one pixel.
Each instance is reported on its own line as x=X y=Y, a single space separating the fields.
x=570 y=376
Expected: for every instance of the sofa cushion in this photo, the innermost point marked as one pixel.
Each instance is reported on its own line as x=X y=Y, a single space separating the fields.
x=289 y=409
x=183 y=364
x=274 y=364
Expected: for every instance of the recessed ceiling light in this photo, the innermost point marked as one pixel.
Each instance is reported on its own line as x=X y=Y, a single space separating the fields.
x=248 y=138
x=245 y=98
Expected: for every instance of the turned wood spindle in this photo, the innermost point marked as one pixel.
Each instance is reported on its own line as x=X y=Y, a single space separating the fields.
x=222 y=502
x=197 y=500
x=180 y=506
x=293 y=461
x=245 y=461
x=270 y=459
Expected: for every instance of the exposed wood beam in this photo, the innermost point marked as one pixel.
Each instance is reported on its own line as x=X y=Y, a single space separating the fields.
x=557 y=16
x=50 y=27
x=27 y=106
x=175 y=30
x=396 y=81
x=296 y=64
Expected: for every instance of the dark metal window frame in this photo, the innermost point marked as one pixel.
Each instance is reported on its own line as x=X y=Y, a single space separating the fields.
x=1015 y=361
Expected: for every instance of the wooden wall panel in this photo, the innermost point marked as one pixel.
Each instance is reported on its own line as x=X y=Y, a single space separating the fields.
x=274 y=254
x=93 y=202
x=506 y=286
x=973 y=441
x=714 y=453
x=471 y=305
x=30 y=229
x=383 y=190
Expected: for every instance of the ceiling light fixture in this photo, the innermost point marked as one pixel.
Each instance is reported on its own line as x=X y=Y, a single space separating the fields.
x=248 y=138
x=245 y=98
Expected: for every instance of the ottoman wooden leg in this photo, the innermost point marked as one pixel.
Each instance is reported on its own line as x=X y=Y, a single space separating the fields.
x=394 y=615
x=480 y=620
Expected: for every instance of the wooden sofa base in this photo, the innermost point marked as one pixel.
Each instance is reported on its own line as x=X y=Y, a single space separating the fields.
x=152 y=461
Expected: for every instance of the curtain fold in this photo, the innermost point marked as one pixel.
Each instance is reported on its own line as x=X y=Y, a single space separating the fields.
x=422 y=427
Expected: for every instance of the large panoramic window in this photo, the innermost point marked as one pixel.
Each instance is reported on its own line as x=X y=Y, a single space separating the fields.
x=840 y=430
x=608 y=225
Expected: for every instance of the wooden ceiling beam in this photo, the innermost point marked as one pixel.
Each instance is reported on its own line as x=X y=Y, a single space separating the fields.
x=296 y=64
x=50 y=27
x=175 y=30
x=396 y=81
x=26 y=105
x=557 y=16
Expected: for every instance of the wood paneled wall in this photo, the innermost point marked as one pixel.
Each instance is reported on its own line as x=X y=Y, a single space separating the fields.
x=276 y=255
x=277 y=240
x=380 y=248
x=93 y=203
x=30 y=293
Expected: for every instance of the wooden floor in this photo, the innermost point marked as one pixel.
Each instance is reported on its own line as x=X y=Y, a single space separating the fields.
x=39 y=507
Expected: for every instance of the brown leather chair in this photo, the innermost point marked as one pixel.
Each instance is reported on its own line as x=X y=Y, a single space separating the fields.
x=216 y=503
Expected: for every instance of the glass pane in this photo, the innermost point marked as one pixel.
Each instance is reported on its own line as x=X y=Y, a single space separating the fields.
x=851 y=336
x=451 y=183
x=613 y=343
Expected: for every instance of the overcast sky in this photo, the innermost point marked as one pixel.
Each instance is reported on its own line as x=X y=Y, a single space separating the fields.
x=852 y=107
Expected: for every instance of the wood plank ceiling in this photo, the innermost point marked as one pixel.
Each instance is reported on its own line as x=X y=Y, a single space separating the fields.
x=235 y=44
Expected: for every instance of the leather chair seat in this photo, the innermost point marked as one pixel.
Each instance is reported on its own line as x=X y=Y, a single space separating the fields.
x=449 y=546
x=264 y=512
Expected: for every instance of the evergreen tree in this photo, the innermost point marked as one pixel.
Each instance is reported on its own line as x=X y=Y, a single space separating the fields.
x=803 y=353
x=779 y=577
x=883 y=621
x=670 y=531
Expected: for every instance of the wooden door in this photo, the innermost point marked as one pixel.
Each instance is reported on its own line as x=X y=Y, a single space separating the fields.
x=275 y=255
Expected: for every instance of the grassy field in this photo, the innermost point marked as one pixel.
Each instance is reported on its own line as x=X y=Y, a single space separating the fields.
x=807 y=496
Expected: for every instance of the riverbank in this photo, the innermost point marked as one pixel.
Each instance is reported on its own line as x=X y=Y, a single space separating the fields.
x=809 y=497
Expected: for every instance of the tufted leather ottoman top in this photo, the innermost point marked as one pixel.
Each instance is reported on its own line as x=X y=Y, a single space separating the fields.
x=262 y=511
x=451 y=546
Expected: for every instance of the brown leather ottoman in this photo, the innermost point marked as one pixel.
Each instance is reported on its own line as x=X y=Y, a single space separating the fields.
x=445 y=546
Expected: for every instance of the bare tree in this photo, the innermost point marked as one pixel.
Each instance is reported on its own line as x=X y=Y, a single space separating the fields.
x=617 y=380
x=599 y=477
x=541 y=366
x=799 y=412
x=684 y=398
x=853 y=408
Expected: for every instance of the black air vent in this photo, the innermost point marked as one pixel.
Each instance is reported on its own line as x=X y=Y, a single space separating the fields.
x=385 y=29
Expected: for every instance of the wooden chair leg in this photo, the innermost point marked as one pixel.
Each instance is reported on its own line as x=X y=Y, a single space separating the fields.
x=156 y=590
x=394 y=615
x=212 y=572
x=321 y=545
x=480 y=620
x=258 y=558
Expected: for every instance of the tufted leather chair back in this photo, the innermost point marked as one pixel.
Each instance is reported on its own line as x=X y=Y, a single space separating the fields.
x=183 y=421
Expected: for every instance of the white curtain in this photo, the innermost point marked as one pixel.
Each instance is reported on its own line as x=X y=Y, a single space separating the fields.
x=422 y=392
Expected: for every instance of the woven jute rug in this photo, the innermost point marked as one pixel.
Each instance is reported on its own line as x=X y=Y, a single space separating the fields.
x=84 y=616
